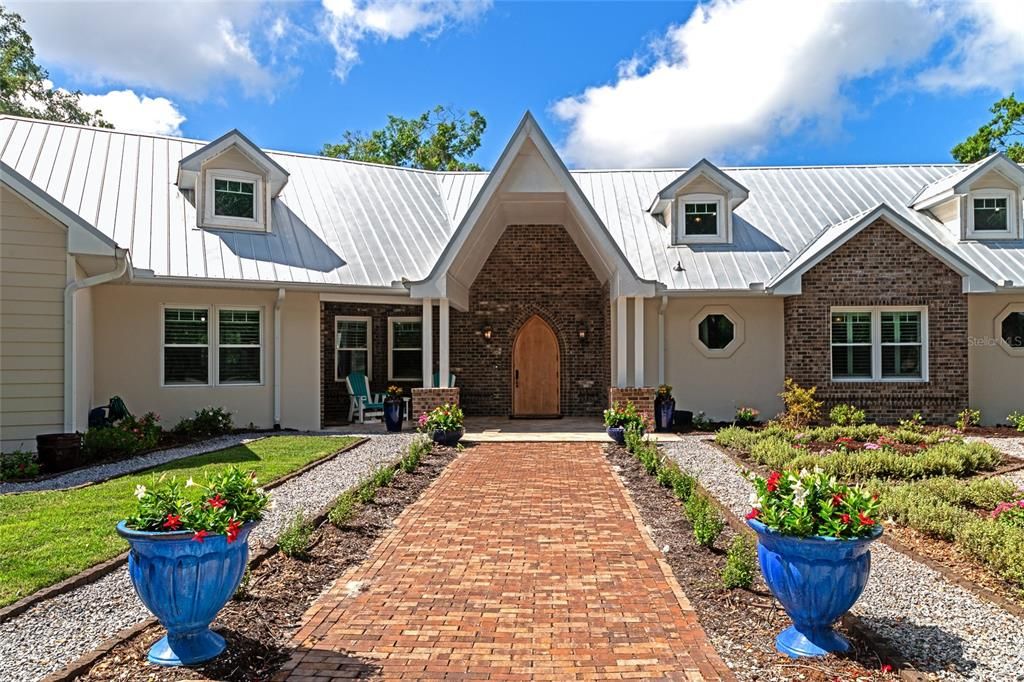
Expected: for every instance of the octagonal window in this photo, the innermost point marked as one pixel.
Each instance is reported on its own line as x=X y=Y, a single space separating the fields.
x=1012 y=330
x=716 y=331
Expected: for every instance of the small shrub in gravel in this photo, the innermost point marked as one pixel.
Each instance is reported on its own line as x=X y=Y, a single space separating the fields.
x=683 y=486
x=668 y=472
x=707 y=523
x=846 y=415
x=294 y=539
x=344 y=509
x=740 y=563
x=914 y=507
x=205 y=423
x=383 y=476
x=998 y=545
x=366 y=490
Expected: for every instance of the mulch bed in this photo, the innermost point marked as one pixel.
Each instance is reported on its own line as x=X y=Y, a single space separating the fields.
x=259 y=622
x=741 y=623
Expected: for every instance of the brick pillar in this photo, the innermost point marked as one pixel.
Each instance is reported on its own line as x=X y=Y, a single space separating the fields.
x=426 y=399
x=642 y=398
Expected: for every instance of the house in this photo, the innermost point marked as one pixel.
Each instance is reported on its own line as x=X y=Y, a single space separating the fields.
x=179 y=274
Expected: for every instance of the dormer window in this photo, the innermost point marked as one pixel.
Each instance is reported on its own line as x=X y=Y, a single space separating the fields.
x=991 y=213
x=700 y=219
x=234 y=200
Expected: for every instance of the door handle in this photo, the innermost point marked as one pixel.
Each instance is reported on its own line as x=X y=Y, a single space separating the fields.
x=517 y=378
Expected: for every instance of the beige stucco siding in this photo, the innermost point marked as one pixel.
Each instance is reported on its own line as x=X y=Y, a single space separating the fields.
x=33 y=273
x=996 y=381
x=127 y=354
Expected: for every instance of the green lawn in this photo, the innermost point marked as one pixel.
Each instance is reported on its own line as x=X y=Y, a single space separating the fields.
x=46 y=537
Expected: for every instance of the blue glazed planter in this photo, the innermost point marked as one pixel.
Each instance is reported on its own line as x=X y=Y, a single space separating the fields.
x=185 y=583
x=448 y=438
x=664 y=411
x=816 y=580
x=617 y=434
x=393 y=415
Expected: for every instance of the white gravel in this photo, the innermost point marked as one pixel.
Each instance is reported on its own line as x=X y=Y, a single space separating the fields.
x=57 y=631
x=937 y=626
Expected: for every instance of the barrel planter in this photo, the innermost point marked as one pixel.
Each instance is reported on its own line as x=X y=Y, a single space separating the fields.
x=59 y=452
x=817 y=580
x=185 y=583
x=393 y=415
x=449 y=438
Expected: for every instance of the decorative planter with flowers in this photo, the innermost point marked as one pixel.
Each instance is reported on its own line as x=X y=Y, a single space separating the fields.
x=814 y=538
x=620 y=418
x=746 y=416
x=664 y=408
x=188 y=555
x=444 y=424
x=393 y=404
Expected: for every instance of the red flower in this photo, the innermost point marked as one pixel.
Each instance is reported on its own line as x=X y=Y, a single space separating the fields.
x=200 y=536
x=753 y=513
x=837 y=499
x=845 y=518
x=233 y=528
x=773 y=481
x=886 y=668
x=864 y=520
x=217 y=501
x=173 y=522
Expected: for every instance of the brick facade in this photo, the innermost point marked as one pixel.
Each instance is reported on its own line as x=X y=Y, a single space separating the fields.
x=426 y=399
x=642 y=397
x=533 y=269
x=881 y=267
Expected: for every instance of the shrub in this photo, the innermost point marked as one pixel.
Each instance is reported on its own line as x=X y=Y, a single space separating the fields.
x=813 y=504
x=668 y=473
x=294 y=539
x=649 y=456
x=846 y=415
x=1011 y=513
x=912 y=506
x=997 y=545
x=366 y=491
x=344 y=509
x=736 y=437
x=774 y=452
x=1017 y=420
x=625 y=416
x=740 y=563
x=126 y=437
x=382 y=476
x=18 y=464
x=706 y=521
x=914 y=423
x=746 y=415
x=683 y=486
x=633 y=436
x=829 y=434
x=968 y=417
x=208 y=422
x=801 y=407
x=420 y=446
x=982 y=493
x=701 y=422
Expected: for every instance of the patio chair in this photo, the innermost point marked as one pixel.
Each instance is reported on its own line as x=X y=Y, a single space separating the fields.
x=437 y=380
x=361 y=401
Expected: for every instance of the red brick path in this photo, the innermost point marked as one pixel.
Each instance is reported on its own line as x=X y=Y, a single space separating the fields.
x=522 y=561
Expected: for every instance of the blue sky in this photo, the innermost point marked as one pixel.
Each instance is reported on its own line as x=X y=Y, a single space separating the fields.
x=634 y=84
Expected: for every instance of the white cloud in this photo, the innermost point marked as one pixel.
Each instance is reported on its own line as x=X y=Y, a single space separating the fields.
x=739 y=75
x=347 y=23
x=137 y=113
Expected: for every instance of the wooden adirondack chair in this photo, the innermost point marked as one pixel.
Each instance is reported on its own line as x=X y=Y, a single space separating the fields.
x=437 y=380
x=362 y=402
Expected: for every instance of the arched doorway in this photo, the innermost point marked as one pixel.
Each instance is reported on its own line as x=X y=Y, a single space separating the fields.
x=535 y=371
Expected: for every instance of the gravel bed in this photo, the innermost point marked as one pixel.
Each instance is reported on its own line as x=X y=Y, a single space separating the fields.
x=938 y=627
x=57 y=631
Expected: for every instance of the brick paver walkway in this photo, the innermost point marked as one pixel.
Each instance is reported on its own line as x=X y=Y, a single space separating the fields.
x=522 y=561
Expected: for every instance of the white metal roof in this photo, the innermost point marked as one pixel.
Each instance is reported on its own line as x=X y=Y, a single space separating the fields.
x=344 y=223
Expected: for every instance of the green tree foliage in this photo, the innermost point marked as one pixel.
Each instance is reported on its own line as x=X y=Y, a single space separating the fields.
x=24 y=88
x=1004 y=133
x=439 y=139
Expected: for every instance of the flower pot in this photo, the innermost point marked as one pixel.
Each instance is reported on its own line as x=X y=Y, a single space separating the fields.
x=816 y=580
x=185 y=583
x=664 y=411
x=449 y=438
x=618 y=434
x=393 y=415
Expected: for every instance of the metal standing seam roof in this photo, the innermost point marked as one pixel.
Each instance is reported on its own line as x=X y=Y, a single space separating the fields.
x=356 y=224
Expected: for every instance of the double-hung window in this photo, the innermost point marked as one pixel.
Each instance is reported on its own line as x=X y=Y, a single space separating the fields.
x=352 y=346
x=879 y=344
x=186 y=346
x=239 y=346
x=405 y=348
x=194 y=351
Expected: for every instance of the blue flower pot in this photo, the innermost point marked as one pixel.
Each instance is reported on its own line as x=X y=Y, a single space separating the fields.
x=816 y=580
x=664 y=411
x=185 y=583
x=393 y=415
x=448 y=438
x=617 y=434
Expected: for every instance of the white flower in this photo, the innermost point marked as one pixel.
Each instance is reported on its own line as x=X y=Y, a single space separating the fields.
x=189 y=483
x=755 y=501
x=140 y=491
x=803 y=473
x=818 y=470
x=799 y=495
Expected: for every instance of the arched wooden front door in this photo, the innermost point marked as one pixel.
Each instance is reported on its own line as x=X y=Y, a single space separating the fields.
x=535 y=371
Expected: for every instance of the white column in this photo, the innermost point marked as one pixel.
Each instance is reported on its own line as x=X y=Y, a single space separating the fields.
x=638 y=341
x=621 y=358
x=661 y=340
x=442 y=328
x=428 y=343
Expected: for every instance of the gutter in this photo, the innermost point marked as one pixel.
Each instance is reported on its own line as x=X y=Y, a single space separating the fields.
x=277 y=358
x=69 y=329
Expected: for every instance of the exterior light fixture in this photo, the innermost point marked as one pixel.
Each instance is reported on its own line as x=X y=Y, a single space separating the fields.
x=582 y=333
x=487 y=333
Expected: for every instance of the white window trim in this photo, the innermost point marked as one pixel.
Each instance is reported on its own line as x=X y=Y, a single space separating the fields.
x=210 y=219
x=1012 y=211
x=209 y=343
x=218 y=346
x=876 y=344
x=369 y=343
x=722 y=233
x=998 y=329
x=738 y=328
x=391 y=347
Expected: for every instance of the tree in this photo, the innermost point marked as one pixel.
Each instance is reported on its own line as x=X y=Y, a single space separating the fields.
x=1004 y=133
x=438 y=139
x=24 y=86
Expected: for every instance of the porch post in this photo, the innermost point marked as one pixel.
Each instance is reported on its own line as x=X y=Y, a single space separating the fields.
x=442 y=328
x=638 y=341
x=621 y=358
x=428 y=343
x=661 y=340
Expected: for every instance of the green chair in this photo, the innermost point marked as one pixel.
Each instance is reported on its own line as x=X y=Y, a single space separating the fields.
x=362 y=401
x=437 y=380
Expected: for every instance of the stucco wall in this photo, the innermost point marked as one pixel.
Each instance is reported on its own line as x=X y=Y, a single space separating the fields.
x=127 y=347
x=996 y=381
x=33 y=272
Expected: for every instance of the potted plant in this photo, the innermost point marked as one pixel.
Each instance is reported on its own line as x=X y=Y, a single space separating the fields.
x=618 y=418
x=189 y=551
x=745 y=416
x=664 y=408
x=813 y=545
x=444 y=424
x=393 y=408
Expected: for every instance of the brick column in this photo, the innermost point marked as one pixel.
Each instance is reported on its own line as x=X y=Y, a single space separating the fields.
x=642 y=398
x=426 y=399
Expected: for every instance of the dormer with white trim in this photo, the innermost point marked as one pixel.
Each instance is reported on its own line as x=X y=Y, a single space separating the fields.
x=698 y=205
x=234 y=183
x=980 y=202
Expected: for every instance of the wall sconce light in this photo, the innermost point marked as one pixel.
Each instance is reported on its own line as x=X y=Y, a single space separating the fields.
x=487 y=333
x=582 y=333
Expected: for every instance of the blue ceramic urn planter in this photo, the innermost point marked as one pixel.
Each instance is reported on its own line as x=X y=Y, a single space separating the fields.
x=185 y=583
x=448 y=438
x=617 y=434
x=816 y=580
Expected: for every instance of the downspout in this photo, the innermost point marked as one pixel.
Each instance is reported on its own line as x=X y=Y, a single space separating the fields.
x=277 y=358
x=661 y=340
x=69 y=330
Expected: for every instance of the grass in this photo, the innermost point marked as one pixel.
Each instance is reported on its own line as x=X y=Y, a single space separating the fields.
x=46 y=537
